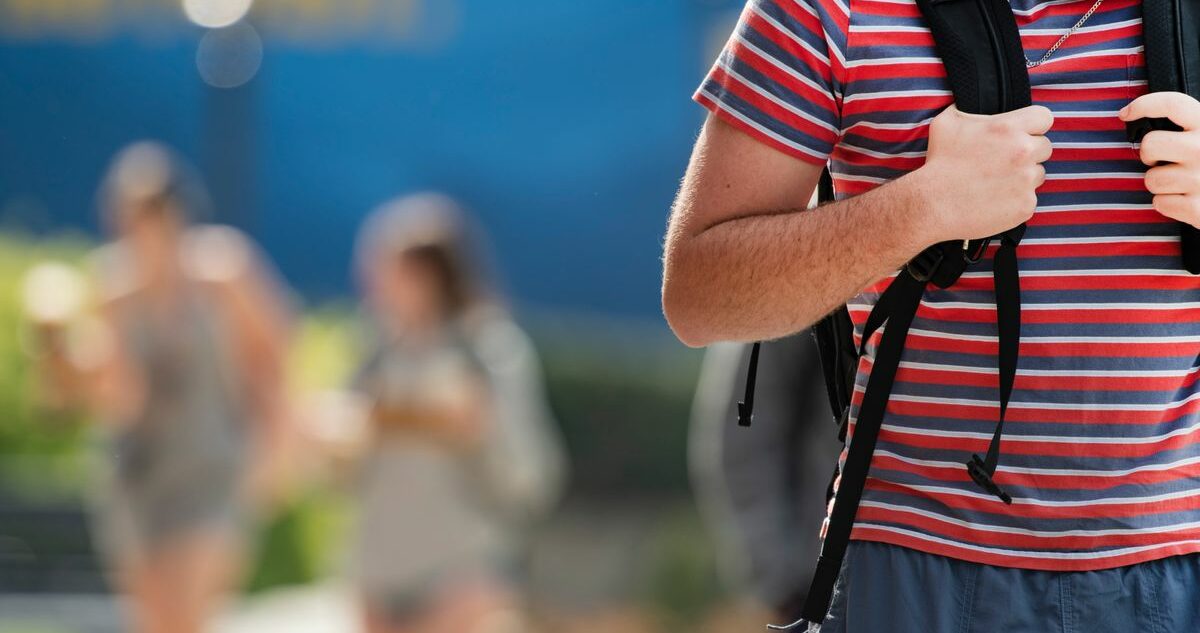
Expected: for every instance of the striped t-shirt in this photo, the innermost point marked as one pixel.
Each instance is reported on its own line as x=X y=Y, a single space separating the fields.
x=1101 y=451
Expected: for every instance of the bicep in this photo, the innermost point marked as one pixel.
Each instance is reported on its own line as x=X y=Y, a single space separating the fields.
x=733 y=175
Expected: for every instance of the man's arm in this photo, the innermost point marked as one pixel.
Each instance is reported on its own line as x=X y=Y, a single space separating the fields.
x=744 y=260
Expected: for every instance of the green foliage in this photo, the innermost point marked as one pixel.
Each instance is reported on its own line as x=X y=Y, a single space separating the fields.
x=299 y=544
x=681 y=581
x=623 y=396
x=24 y=428
x=327 y=349
x=40 y=451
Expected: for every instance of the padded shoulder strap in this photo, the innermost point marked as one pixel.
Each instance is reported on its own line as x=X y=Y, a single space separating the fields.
x=980 y=47
x=1172 y=37
x=979 y=44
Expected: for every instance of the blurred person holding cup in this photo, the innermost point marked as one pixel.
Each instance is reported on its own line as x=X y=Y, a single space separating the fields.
x=462 y=455
x=182 y=360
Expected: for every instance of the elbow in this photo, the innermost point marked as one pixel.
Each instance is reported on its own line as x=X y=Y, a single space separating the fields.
x=683 y=312
x=684 y=326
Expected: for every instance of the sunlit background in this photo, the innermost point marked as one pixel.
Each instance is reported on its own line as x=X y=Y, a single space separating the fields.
x=563 y=126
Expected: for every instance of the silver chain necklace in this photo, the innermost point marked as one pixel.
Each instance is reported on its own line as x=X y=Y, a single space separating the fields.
x=1062 y=40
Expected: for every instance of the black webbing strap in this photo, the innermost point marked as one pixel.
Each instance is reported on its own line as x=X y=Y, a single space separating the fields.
x=1008 y=329
x=896 y=307
x=745 y=408
x=825 y=191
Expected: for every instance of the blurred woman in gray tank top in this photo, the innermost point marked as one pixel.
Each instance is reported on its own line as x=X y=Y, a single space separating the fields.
x=183 y=363
x=463 y=453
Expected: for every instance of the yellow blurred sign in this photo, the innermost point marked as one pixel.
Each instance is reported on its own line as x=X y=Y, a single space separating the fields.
x=298 y=19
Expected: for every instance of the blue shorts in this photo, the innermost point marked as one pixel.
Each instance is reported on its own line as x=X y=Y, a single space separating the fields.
x=900 y=590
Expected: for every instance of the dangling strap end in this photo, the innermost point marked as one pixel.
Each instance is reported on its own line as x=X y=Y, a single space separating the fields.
x=979 y=473
x=745 y=414
x=746 y=406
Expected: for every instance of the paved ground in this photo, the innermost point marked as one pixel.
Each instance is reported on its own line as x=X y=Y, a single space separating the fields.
x=63 y=613
x=323 y=608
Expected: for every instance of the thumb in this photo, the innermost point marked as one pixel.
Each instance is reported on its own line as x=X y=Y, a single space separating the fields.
x=1035 y=119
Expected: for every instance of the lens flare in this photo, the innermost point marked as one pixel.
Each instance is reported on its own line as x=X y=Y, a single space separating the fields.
x=53 y=292
x=229 y=57
x=215 y=14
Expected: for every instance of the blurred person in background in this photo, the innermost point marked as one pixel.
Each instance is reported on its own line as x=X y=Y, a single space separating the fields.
x=183 y=362
x=762 y=489
x=463 y=455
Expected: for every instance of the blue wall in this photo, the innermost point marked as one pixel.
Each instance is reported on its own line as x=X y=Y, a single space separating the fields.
x=564 y=125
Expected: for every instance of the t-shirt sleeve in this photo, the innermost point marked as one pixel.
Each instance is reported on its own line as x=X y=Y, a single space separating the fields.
x=779 y=77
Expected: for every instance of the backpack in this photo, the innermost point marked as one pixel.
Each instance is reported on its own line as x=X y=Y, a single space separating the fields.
x=980 y=47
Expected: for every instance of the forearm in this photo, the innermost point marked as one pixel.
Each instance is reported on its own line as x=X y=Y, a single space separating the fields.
x=763 y=276
x=88 y=376
x=458 y=426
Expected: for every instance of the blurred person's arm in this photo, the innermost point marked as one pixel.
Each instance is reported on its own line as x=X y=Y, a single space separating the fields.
x=524 y=462
x=78 y=360
x=118 y=390
x=84 y=367
x=253 y=304
x=252 y=301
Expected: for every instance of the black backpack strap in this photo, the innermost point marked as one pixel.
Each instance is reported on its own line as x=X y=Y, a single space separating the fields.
x=745 y=407
x=834 y=336
x=896 y=306
x=837 y=328
x=1171 y=31
x=1172 y=38
x=980 y=46
x=1008 y=327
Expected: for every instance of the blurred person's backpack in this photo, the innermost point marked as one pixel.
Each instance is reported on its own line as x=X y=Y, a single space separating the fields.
x=523 y=463
x=980 y=47
x=755 y=490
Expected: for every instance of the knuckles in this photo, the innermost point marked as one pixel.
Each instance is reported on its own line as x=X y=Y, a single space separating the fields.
x=1031 y=149
x=1028 y=205
x=1037 y=176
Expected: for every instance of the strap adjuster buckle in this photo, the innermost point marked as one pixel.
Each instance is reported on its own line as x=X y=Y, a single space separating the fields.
x=745 y=413
x=979 y=474
x=925 y=265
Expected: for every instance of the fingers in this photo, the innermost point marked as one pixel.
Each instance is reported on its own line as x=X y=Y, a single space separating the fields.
x=1039 y=179
x=1043 y=149
x=1180 y=108
x=1036 y=120
x=1183 y=208
x=1172 y=179
x=1161 y=146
